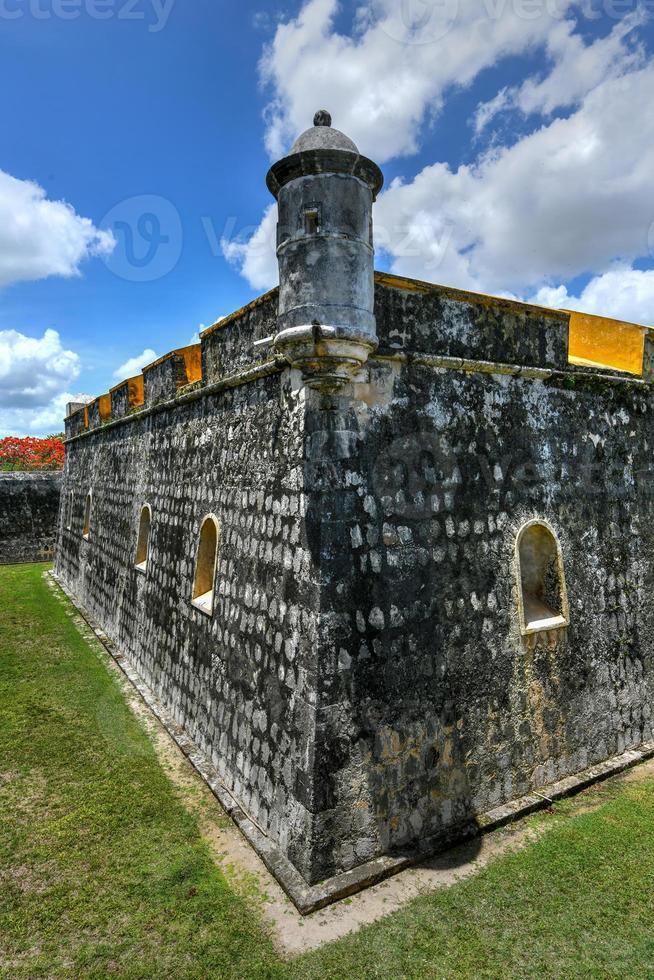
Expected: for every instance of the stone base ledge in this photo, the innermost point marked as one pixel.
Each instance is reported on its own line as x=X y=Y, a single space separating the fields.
x=310 y=898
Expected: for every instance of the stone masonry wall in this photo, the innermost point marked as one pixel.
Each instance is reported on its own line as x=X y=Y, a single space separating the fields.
x=241 y=682
x=362 y=684
x=29 y=504
x=433 y=708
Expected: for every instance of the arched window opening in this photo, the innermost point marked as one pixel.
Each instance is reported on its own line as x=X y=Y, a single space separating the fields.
x=86 y=527
x=205 y=565
x=143 y=542
x=543 y=601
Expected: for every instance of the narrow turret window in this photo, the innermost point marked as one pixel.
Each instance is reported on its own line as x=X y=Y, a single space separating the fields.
x=205 y=565
x=312 y=220
x=543 y=601
x=143 y=542
x=69 y=511
x=86 y=527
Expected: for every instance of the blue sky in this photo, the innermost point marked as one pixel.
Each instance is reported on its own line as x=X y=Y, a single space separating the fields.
x=516 y=141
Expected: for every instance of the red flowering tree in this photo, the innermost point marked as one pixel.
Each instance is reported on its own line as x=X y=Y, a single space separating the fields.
x=31 y=454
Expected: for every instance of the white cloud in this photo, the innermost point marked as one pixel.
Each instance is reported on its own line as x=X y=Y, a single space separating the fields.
x=564 y=200
x=40 y=237
x=622 y=293
x=577 y=68
x=41 y=421
x=35 y=375
x=34 y=369
x=386 y=80
x=134 y=365
x=256 y=258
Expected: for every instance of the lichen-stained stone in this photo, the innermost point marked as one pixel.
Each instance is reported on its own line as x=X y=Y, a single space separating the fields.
x=230 y=344
x=361 y=677
x=29 y=505
x=433 y=707
x=422 y=318
x=242 y=682
x=362 y=683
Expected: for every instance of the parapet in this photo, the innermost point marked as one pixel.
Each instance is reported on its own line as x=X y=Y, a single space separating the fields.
x=163 y=379
x=127 y=397
x=422 y=318
x=234 y=342
x=228 y=346
x=413 y=318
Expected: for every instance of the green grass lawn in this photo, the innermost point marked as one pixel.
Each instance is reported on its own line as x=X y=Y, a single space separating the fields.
x=103 y=872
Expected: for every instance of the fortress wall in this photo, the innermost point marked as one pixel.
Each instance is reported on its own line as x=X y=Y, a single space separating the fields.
x=362 y=684
x=434 y=708
x=29 y=504
x=242 y=681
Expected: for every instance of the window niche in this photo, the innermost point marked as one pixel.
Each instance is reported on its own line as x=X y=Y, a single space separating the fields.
x=312 y=220
x=69 y=511
x=542 y=595
x=143 y=541
x=205 y=565
x=86 y=526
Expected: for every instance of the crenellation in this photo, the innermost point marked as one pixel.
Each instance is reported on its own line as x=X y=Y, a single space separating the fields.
x=126 y=397
x=76 y=420
x=163 y=379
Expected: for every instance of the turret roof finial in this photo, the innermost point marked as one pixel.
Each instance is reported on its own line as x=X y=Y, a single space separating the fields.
x=322 y=118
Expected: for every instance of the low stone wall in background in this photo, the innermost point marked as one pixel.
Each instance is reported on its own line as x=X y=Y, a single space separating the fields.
x=29 y=505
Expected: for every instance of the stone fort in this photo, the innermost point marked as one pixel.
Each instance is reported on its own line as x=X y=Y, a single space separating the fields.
x=383 y=549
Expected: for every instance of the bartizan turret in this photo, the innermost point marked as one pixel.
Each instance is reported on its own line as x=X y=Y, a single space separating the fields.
x=325 y=191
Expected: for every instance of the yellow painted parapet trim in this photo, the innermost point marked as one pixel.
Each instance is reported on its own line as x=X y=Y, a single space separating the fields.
x=104 y=407
x=596 y=341
x=135 y=395
x=134 y=390
x=192 y=356
x=192 y=362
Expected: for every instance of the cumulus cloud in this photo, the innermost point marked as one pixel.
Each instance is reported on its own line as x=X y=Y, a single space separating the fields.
x=256 y=258
x=40 y=421
x=35 y=378
x=134 y=365
x=576 y=69
x=561 y=200
x=40 y=237
x=622 y=293
x=386 y=79
x=34 y=369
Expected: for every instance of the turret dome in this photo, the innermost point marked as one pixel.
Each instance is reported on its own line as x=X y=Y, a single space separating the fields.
x=322 y=136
